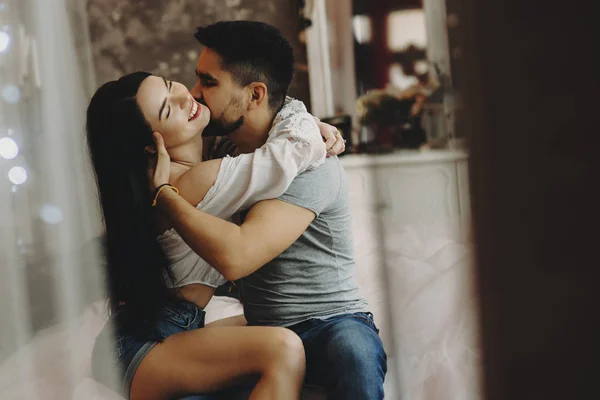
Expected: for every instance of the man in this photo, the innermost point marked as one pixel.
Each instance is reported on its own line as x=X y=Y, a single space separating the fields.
x=293 y=253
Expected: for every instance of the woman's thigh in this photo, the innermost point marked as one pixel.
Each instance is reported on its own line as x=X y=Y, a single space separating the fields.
x=207 y=360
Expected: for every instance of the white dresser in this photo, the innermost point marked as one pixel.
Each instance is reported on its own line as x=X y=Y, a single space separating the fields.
x=411 y=186
x=411 y=224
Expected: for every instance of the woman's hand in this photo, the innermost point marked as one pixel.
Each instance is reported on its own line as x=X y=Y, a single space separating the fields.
x=159 y=162
x=334 y=142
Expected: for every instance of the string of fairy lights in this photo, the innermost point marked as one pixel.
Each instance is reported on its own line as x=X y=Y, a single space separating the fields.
x=10 y=96
x=17 y=54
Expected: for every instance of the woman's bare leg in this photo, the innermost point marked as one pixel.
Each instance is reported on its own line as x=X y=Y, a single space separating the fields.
x=207 y=360
x=237 y=320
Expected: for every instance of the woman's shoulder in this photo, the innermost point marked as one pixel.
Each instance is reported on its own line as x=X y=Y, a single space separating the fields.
x=195 y=183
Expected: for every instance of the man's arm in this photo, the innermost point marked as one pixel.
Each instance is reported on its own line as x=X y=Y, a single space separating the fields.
x=235 y=251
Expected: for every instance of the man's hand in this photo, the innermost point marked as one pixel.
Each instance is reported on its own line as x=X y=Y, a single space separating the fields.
x=334 y=142
x=159 y=162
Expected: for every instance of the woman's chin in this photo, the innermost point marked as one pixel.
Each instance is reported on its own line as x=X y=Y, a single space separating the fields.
x=205 y=117
x=203 y=123
x=205 y=114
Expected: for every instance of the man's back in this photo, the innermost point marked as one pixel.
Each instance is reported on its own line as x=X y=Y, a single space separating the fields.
x=314 y=277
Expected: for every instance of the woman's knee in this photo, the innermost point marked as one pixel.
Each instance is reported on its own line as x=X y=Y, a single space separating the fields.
x=287 y=350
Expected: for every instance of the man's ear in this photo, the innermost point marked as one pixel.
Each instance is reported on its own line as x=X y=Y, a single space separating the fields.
x=258 y=95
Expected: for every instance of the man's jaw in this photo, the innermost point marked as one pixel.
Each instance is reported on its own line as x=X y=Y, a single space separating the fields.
x=213 y=129
x=217 y=128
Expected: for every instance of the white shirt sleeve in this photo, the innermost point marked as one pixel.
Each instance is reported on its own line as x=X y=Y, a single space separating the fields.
x=293 y=147
x=301 y=129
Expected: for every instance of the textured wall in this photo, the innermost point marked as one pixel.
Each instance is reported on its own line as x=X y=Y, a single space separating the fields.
x=157 y=35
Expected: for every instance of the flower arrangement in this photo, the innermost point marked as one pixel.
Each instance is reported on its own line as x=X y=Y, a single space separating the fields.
x=394 y=116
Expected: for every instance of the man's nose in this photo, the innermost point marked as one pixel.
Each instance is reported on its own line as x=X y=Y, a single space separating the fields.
x=197 y=93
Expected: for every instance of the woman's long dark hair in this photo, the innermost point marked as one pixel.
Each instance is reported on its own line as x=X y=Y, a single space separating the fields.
x=117 y=134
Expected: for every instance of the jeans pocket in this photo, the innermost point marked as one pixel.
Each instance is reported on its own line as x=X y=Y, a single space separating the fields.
x=181 y=316
x=367 y=318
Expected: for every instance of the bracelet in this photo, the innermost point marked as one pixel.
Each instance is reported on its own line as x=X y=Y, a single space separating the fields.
x=160 y=189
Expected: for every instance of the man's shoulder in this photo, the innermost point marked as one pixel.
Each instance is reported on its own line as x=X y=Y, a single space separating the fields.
x=330 y=171
x=318 y=188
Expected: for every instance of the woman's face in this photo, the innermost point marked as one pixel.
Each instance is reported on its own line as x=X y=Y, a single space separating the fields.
x=171 y=110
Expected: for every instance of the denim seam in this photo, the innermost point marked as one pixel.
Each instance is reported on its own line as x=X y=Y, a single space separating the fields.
x=190 y=323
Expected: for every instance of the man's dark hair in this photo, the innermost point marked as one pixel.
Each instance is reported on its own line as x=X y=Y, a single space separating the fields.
x=252 y=52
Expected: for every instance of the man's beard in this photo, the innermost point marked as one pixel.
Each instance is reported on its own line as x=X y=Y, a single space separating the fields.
x=221 y=128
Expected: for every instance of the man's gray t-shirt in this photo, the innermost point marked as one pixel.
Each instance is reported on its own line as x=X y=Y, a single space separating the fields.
x=314 y=277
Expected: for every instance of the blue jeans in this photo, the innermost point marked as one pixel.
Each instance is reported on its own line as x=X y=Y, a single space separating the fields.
x=344 y=355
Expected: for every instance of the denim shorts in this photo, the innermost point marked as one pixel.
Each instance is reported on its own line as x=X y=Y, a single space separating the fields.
x=129 y=351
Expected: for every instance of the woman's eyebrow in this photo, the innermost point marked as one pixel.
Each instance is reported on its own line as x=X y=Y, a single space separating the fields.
x=164 y=103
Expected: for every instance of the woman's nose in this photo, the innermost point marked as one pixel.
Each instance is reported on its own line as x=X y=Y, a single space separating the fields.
x=183 y=99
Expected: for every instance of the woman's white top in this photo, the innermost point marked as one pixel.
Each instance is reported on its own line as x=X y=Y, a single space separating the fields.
x=294 y=145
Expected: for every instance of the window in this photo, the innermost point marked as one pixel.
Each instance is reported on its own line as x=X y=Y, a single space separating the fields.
x=363 y=30
x=405 y=28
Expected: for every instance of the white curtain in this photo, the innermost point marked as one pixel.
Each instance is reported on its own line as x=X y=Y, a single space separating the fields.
x=319 y=62
x=51 y=283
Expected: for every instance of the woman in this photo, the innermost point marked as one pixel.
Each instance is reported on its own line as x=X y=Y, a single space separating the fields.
x=158 y=286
